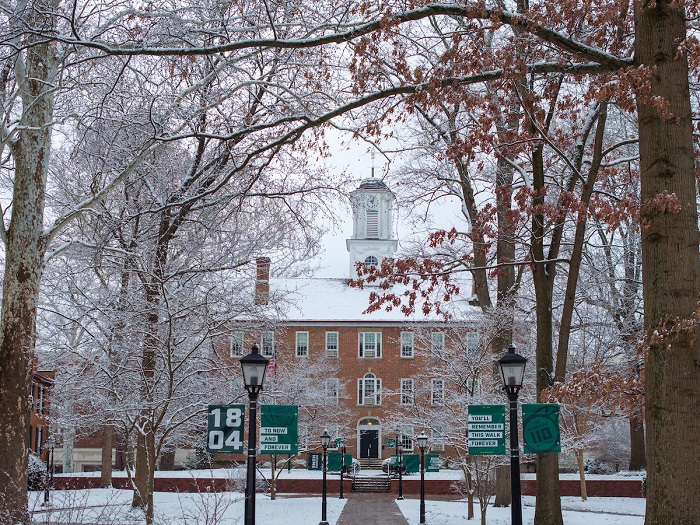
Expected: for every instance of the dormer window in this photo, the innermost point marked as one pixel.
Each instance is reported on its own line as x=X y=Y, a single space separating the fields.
x=371 y=261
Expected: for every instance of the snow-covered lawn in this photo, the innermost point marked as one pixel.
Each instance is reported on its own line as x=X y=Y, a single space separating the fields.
x=112 y=507
x=594 y=511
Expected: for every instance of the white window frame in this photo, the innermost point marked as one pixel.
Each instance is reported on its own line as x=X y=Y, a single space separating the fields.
x=437 y=393
x=332 y=388
x=332 y=346
x=437 y=344
x=472 y=341
x=302 y=347
x=407 y=345
x=40 y=403
x=265 y=350
x=407 y=434
x=407 y=392
x=473 y=387
x=362 y=345
x=332 y=429
x=237 y=341
x=369 y=382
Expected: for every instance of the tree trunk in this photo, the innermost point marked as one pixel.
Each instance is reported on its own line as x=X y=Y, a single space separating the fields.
x=548 y=500
x=638 y=455
x=502 y=486
x=581 y=474
x=107 y=445
x=670 y=269
x=24 y=253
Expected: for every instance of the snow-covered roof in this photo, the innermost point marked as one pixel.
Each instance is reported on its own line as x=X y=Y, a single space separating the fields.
x=325 y=300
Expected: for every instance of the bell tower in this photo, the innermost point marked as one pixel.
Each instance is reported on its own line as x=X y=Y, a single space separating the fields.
x=372 y=224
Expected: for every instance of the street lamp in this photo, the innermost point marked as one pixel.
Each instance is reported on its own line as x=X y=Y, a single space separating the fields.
x=254 y=367
x=512 y=368
x=342 y=468
x=422 y=443
x=399 y=454
x=50 y=444
x=325 y=440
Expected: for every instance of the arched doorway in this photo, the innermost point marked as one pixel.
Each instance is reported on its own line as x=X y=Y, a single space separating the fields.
x=369 y=437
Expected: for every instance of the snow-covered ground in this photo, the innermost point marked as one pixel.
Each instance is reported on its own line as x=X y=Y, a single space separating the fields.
x=112 y=507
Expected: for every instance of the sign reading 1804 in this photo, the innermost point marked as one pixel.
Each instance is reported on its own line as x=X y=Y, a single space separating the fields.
x=225 y=428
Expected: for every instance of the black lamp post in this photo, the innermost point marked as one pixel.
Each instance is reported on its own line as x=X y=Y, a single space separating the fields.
x=512 y=368
x=325 y=440
x=399 y=454
x=422 y=443
x=50 y=444
x=342 y=468
x=254 y=367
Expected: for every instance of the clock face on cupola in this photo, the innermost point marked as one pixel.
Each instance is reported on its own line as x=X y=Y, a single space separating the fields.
x=372 y=202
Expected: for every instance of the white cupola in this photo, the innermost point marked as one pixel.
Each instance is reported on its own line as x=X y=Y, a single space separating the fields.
x=372 y=219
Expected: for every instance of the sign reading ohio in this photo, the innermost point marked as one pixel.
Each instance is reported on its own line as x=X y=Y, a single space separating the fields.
x=486 y=430
x=279 y=430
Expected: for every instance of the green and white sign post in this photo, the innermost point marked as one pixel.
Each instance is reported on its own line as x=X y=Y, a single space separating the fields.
x=225 y=428
x=486 y=430
x=279 y=429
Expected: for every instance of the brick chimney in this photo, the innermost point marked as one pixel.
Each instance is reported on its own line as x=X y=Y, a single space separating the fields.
x=262 y=280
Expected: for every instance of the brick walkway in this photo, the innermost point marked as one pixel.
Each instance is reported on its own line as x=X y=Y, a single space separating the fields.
x=364 y=508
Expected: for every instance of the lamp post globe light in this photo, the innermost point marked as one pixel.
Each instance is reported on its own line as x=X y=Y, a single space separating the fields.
x=50 y=444
x=342 y=468
x=254 y=367
x=422 y=443
x=399 y=453
x=325 y=441
x=512 y=367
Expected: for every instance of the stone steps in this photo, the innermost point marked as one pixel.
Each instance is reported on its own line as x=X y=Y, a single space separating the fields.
x=371 y=484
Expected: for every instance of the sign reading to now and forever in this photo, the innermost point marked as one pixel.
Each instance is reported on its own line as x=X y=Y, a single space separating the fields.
x=486 y=430
x=279 y=429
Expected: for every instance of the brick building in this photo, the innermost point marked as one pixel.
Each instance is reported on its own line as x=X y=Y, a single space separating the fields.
x=42 y=382
x=380 y=361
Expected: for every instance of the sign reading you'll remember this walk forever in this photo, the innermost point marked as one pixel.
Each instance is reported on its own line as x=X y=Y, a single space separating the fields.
x=225 y=428
x=486 y=430
x=279 y=429
x=541 y=428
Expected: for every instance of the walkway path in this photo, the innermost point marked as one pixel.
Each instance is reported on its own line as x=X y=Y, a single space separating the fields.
x=365 y=508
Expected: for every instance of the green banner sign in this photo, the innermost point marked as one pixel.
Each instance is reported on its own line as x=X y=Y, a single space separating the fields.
x=334 y=461
x=279 y=429
x=432 y=463
x=541 y=428
x=315 y=461
x=390 y=442
x=486 y=430
x=225 y=428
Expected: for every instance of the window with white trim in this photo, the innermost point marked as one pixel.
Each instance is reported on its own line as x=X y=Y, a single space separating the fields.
x=437 y=391
x=369 y=390
x=407 y=391
x=40 y=403
x=331 y=344
x=437 y=344
x=406 y=437
x=303 y=437
x=371 y=261
x=302 y=344
x=332 y=387
x=267 y=347
x=472 y=341
x=236 y=344
x=332 y=429
x=369 y=344
x=406 y=344
x=472 y=387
